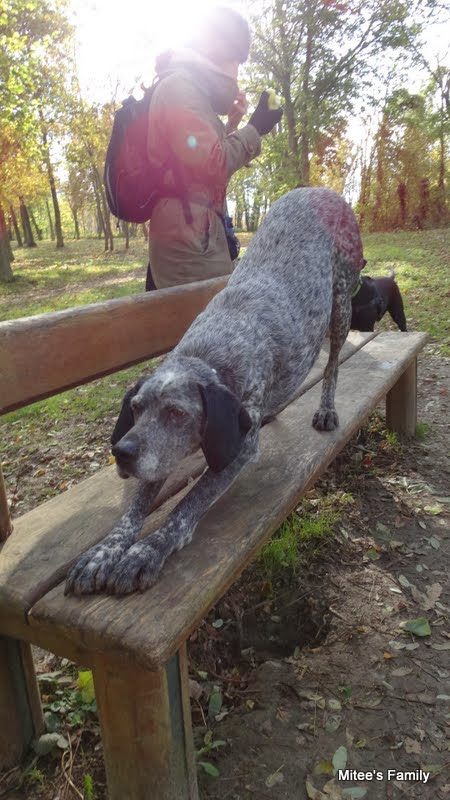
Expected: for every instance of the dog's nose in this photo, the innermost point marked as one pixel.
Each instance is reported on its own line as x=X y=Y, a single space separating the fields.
x=125 y=450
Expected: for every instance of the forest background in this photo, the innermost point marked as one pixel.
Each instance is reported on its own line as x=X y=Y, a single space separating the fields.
x=365 y=89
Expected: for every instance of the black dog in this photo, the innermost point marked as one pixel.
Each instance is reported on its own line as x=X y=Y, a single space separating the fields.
x=374 y=297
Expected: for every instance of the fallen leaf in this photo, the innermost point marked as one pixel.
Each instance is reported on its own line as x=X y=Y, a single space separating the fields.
x=397 y=645
x=403 y=581
x=332 y=790
x=274 y=778
x=333 y=723
x=340 y=758
x=412 y=745
x=435 y=542
x=195 y=690
x=423 y=697
x=419 y=626
x=323 y=768
x=400 y=672
x=215 y=702
x=334 y=705
x=434 y=509
x=313 y=793
x=444 y=646
x=47 y=742
x=354 y=792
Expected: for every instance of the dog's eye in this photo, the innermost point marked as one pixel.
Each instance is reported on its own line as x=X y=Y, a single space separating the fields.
x=176 y=414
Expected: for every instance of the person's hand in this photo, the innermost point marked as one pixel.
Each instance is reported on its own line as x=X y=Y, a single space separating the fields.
x=263 y=118
x=238 y=110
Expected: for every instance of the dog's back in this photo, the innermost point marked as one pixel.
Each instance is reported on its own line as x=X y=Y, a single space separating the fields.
x=276 y=309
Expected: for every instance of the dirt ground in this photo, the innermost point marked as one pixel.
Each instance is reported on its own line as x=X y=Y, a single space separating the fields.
x=364 y=695
x=315 y=674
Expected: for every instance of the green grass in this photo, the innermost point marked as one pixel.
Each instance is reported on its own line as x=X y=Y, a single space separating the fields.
x=299 y=538
x=422 y=430
x=89 y=402
x=47 y=279
x=421 y=262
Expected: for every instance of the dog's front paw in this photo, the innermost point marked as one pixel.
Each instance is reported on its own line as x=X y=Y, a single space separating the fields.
x=325 y=419
x=137 y=570
x=91 y=571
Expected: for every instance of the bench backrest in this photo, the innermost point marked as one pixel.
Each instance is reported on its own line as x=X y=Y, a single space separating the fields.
x=46 y=354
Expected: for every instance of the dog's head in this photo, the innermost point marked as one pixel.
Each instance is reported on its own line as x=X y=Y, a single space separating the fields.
x=169 y=415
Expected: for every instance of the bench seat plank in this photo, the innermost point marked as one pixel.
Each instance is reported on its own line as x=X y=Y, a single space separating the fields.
x=149 y=628
x=48 y=539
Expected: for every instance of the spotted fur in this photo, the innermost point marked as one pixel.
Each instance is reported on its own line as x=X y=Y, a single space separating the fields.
x=237 y=365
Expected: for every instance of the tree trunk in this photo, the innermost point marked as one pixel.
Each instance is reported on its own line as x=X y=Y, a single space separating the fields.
x=109 y=239
x=75 y=221
x=58 y=228
x=145 y=230
x=304 y=112
x=51 y=180
x=441 y=177
x=380 y=192
x=17 y=233
x=126 y=232
x=6 y=275
x=27 y=232
x=401 y=192
x=36 y=226
x=424 y=201
x=50 y=222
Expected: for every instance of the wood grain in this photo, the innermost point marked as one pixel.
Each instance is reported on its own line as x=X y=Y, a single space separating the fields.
x=49 y=353
x=149 y=628
x=401 y=403
x=143 y=722
x=5 y=521
x=47 y=540
x=20 y=707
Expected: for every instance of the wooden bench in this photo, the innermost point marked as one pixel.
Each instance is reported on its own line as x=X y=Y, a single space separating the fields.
x=136 y=646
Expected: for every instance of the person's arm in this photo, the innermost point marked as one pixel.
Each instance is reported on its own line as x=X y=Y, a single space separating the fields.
x=180 y=116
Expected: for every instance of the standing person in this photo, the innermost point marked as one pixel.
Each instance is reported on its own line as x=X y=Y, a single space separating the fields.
x=197 y=85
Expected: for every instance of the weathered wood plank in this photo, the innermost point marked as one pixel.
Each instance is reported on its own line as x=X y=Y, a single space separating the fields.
x=75 y=346
x=144 y=717
x=5 y=521
x=150 y=628
x=35 y=558
x=48 y=539
x=401 y=403
x=20 y=706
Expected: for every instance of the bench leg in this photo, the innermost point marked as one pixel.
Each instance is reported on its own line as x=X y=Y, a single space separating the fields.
x=21 y=717
x=401 y=403
x=145 y=721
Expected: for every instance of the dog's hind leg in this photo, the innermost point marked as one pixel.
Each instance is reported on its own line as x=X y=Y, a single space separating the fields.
x=395 y=308
x=326 y=418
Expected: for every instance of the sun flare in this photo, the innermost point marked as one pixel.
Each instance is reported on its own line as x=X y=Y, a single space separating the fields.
x=123 y=45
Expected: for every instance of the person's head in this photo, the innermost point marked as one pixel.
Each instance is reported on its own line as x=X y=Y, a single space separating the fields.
x=222 y=36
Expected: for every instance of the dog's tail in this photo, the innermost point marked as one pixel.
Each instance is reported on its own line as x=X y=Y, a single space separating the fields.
x=392 y=274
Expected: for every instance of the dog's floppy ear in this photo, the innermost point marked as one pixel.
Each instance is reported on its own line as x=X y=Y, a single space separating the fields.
x=125 y=420
x=226 y=425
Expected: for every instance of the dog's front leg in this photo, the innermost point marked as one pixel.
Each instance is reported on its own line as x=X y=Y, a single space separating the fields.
x=140 y=566
x=90 y=572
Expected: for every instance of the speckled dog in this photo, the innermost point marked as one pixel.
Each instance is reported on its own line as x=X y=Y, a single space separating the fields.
x=236 y=367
